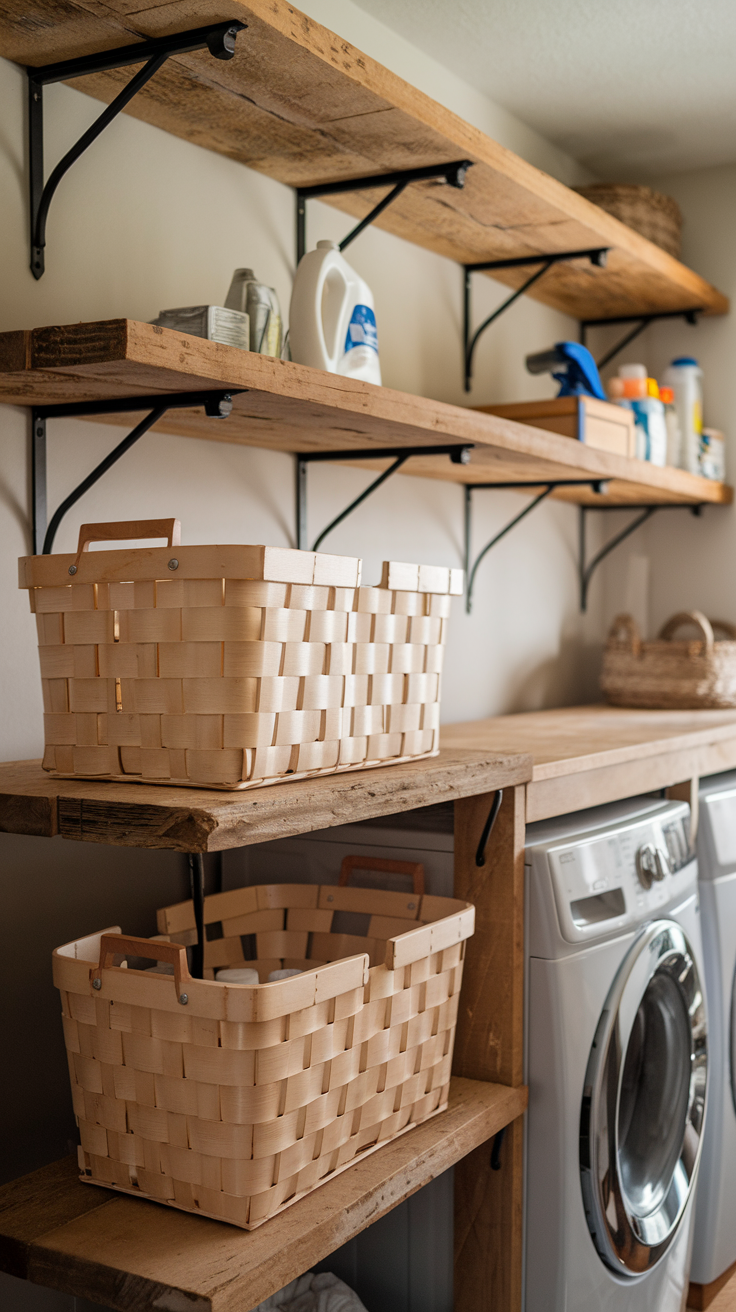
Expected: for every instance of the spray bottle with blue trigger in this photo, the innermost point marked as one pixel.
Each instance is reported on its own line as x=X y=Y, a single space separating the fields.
x=572 y=366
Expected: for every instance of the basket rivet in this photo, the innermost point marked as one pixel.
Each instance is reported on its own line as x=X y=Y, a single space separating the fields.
x=96 y=983
x=173 y=563
x=411 y=906
x=72 y=569
x=183 y=998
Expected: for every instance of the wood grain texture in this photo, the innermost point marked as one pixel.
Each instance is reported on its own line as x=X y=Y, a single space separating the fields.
x=131 y=1255
x=289 y=407
x=489 y=1043
x=205 y=820
x=303 y=106
x=489 y=1226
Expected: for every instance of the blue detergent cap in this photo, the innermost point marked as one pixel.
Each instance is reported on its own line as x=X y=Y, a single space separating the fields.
x=684 y=359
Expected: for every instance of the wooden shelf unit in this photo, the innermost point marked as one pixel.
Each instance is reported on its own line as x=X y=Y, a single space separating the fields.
x=127 y=1253
x=134 y=1255
x=303 y=106
x=291 y=408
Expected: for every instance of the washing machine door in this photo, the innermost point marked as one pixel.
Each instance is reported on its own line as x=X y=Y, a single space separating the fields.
x=643 y=1102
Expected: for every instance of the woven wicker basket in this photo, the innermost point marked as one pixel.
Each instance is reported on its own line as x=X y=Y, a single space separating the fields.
x=233 y=666
x=232 y=1100
x=668 y=674
x=650 y=213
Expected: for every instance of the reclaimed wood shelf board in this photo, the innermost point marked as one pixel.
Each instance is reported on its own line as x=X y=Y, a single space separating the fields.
x=205 y=820
x=303 y=106
x=587 y=755
x=133 y=1255
x=291 y=408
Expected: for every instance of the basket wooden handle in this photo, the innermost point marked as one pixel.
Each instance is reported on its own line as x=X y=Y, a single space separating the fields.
x=694 y=617
x=413 y=868
x=130 y=528
x=626 y=625
x=122 y=945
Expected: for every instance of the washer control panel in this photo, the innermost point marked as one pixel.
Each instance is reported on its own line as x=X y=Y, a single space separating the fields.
x=607 y=879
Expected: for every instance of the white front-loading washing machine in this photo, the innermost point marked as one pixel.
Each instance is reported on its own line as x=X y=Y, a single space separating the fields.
x=714 y=1242
x=616 y=1059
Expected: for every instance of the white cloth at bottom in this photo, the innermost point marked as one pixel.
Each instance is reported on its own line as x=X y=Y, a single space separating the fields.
x=311 y=1293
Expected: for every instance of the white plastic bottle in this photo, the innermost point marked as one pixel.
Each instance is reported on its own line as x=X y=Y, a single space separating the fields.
x=332 y=321
x=684 y=376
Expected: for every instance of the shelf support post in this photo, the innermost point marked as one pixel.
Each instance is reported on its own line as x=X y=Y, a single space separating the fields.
x=596 y=255
x=453 y=174
x=459 y=454
x=219 y=38
x=38 y=480
x=217 y=405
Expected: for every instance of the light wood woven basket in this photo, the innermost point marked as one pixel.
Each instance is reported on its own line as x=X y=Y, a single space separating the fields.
x=233 y=666
x=668 y=674
x=651 y=213
x=233 y=1101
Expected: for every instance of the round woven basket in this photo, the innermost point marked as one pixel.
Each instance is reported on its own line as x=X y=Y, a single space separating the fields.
x=648 y=212
x=668 y=674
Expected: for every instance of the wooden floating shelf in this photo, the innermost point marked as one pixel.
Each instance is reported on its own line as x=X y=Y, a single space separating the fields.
x=291 y=408
x=133 y=1255
x=205 y=820
x=303 y=106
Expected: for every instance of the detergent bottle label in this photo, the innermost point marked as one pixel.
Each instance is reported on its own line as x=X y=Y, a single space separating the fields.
x=362 y=329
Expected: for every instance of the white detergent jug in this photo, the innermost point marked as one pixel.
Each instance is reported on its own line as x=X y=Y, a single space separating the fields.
x=332 y=321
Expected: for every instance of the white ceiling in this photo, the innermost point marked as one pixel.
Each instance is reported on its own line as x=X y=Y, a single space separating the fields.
x=631 y=88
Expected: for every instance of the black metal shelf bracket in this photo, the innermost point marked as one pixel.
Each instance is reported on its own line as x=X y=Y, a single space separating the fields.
x=597 y=485
x=453 y=174
x=640 y=321
x=586 y=569
x=596 y=255
x=218 y=38
x=480 y=855
x=459 y=454
x=217 y=405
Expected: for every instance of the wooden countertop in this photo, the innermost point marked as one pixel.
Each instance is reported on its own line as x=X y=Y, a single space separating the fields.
x=586 y=755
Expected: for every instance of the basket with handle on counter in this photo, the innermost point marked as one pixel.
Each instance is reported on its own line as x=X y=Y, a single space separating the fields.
x=233 y=1100
x=233 y=666
x=671 y=673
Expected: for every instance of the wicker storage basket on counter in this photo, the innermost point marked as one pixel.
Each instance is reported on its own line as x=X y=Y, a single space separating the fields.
x=233 y=666
x=669 y=674
x=650 y=213
x=235 y=1100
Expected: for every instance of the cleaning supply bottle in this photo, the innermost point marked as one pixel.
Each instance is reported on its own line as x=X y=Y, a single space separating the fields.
x=332 y=321
x=261 y=304
x=636 y=391
x=684 y=376
x=672 y=424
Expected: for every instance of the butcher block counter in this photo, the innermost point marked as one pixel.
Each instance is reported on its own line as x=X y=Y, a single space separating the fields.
x=587 y=755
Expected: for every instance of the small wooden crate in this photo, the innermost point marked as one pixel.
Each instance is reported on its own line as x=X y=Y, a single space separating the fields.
x=241 y=1099
x=599 y=424
x=233 y=666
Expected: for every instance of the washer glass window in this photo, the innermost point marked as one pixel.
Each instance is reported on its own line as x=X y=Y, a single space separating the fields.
x=643 y=1102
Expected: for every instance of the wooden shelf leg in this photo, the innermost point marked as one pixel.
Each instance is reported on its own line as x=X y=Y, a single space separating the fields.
x=489 y=1046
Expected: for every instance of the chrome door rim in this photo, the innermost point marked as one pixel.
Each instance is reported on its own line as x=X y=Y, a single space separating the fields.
x=632 y=1238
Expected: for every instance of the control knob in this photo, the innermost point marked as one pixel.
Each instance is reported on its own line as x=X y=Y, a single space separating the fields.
x=646 y=865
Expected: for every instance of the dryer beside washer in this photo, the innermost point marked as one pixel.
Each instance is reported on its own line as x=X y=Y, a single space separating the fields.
x=616 y=1054
x=714 y=1244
